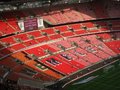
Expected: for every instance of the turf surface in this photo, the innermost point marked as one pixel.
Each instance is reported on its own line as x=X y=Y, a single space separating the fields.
x=106 y=81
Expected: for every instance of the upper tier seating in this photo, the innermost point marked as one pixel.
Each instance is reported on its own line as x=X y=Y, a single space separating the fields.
x=69 y=13
x=6 y=29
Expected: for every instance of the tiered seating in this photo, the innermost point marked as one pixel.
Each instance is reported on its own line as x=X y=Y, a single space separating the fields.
x=59 y=65
x=55 y=36
x=51 y=33
x=49 y=19
x=66 y=34
x=90 y=27
x=69 y=13
x=42 y=39
x=55 y=64
x=68 y=56
x=17 y=42
x=85 y=57
x=14 y=25
x=114 y=45
x=104 y=36
x=34 y=34
x=87 y=49
x=37 y=51
x=9 y=40
x=72 y=15
x=88 y=24
x=59 y=17
x=71 y=59
x=85 y=12
x=11 y=19
x=63 y=43
x=17 y=46
x=5 y=29
x=91 y=48
x=51 y=53
x=9 y=25
x=31 y=63
x=75 y=26
x=30 y=42
x=62 y=28
x=47 y=47
x=93 y=39
x=48 y=31
x=20 y=41
x=22 y=37
x=40 y=51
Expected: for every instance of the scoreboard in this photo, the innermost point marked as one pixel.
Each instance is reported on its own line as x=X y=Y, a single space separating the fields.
x=29 y=23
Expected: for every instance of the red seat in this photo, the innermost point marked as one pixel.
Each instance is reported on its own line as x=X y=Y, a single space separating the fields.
x=114 y=45
x=59 y=65
x=35 y=33
x=22 y=36
x=62 y=28
x=104 y=36
x=37 y=51
x=94 y=31
x=66 y=34
x=55 y=36
x=80 y=31
x=100 y=45
x=17 y=46
x=7 y=30
x=42 y=39
x=14 y=24
x=9 y=40
x=88 y=24
x=30 y=42
x=75 y=26
x=63 y=43
x=72 y=60
x=47 y=47
x=48 y=31
x=49 y=19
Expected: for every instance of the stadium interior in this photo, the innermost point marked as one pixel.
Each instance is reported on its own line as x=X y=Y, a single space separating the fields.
x=52 y=43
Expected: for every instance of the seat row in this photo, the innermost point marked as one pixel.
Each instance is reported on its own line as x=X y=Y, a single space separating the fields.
x=88 y=50
x=86 y=53
x=23 y=40
x=18 y=65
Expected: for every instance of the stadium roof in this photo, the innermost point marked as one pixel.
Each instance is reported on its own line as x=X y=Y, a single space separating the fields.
x=7 y=5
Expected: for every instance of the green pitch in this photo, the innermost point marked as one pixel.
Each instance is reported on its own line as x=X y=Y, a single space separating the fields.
x=106 y=81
